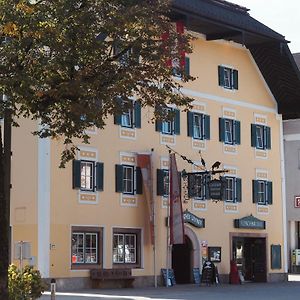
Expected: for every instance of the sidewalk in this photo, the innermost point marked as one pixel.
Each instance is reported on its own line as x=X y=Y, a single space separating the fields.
x=250 y=291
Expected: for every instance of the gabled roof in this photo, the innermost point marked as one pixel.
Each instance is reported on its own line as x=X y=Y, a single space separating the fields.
x=297 y=59
x=219 y=19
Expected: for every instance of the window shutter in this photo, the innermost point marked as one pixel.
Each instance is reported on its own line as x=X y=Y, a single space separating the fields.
x=235 y=78
x=221 y=75
x=160 y=182
x=119 y=179
x=221 y=129
x=253 y=135
x=268 y=137
x=206 y=127
x=207 y=180
x=76 y=174
x=138 y=181
x=238 y=189
x=99 y=176
x=187 y=66
x=118 y=117
x=255 y=191
x=190 y=123
x=158 y=125
x=269 y=192
x=177 y=121
x=137 y=114
x=237 y=132
x=190 y=187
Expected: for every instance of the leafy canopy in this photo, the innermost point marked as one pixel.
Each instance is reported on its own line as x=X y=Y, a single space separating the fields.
x=64 y=62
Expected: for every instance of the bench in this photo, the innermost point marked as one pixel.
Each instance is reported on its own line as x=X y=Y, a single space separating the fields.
x=122 y=276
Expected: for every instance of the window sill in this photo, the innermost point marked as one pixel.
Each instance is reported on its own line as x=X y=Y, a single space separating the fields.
x=83 y=267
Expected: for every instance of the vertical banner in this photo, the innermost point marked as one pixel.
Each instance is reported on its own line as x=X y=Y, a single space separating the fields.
x=144 y=162
x=176 y=216
x=181 y=52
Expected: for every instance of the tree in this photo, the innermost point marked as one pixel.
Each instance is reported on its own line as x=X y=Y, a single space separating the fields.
x=65 y=62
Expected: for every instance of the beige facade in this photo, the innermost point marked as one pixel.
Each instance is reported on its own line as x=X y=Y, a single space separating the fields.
x=45 y=208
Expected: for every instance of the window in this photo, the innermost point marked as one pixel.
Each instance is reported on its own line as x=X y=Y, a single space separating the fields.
x=229 y=131
x=126 y=247
x=129 y=179
x=198 y=186
x=262 y=192
x=169 y=126
x=228 y=78
x=130 y=117
x=86 y=244
x=198 y=126
x=260 y=136
x=163 y=182
x=88 y=175
x=232 y=189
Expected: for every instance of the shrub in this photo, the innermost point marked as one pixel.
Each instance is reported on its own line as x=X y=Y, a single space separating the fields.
x=24 y=285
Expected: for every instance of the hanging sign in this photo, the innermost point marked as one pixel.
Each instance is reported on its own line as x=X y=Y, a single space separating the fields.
x=215 y=187
x=250 y=222
x=188 y=217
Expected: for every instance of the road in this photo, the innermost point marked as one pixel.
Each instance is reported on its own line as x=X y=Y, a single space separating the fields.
x=249 y=291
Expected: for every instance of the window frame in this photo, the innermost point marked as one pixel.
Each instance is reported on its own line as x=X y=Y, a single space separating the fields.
x=202 y=187
x=169 y=124
x=200 y=125
x=231 y=189
x=129 y=232
x=228 y=78
x=92 y=176
x=86 y=230
x=166 y=182
x=263 y=184
x=229 y=133
x=261 y=130
x=128 y=115
x=132 y=179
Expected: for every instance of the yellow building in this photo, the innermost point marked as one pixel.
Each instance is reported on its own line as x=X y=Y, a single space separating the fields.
x=93 y=214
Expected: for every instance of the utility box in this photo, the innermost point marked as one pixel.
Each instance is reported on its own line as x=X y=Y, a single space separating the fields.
x=296 y=257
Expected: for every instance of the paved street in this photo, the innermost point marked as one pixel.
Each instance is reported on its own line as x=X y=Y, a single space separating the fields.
x=249 y=291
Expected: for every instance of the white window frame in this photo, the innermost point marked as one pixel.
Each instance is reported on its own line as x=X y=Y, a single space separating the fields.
x=198 y=126
x=122 y=253
x=229 y=131
x=202 y=179
x=84 y=247
x=262 y=192
x=130 y=179
x=228 y=80
x=260 y=137
x=230 y=189
x=127 y=117
x=167 y=126
x=84 y=177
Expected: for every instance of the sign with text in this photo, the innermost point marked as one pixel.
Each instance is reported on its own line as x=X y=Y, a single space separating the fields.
x=297 y=201
x=250 y=222
x=188 y=217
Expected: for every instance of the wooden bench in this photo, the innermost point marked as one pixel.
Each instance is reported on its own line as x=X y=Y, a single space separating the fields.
x=122 y=276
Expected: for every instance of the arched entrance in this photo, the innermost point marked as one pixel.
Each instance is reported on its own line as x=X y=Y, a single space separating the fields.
x=185 y=257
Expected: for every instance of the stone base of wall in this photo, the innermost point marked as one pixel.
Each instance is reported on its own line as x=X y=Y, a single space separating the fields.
x=277 y=277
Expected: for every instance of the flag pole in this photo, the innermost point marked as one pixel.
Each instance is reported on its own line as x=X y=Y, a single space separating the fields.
x=168 y=225
x=154 y=220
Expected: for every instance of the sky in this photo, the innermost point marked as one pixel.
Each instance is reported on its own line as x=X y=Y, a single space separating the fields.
x=283 y=16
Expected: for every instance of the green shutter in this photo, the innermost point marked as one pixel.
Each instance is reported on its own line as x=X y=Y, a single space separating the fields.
x=224 y=185
x=238 y=189
x=76 y=174
x=206 y=127
x=187 y=66
x=268 y=137
x=276 y=257
x=221 y=129
x=253 y=135
x=99 y=176
x=118 y=117
x=139 y=181
x=255 y=191
x=237 y=132
x=269 y=192
x=177 y=121
x=190 y=123
x=158 y=125
x=119 y=179
x=235 y=77
x=160 y=182
x=221 y=75
x=137 y=114
x=207 y=179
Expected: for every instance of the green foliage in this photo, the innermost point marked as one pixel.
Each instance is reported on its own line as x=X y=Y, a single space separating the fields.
x=65 y=59
x=24 y=285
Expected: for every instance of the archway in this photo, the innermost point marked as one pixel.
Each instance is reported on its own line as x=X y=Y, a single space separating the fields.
x=185 y=257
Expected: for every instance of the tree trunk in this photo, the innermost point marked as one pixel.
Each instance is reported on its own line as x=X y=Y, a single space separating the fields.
x=5 y=166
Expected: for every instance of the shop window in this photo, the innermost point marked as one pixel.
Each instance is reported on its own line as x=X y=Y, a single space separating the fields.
x=126 y=247
x=86 y=247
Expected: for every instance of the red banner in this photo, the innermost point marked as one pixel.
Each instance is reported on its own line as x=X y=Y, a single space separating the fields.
x=176 y=217
x=144 y=162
